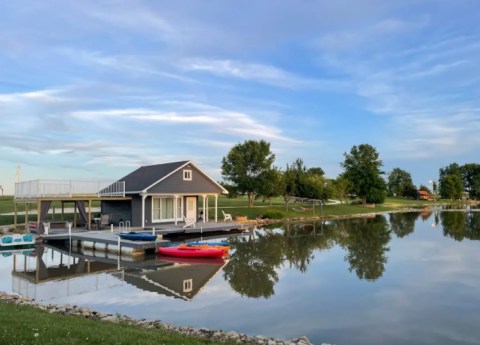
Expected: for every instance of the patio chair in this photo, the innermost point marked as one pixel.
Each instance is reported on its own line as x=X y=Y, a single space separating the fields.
x=227 y=216
x=104 y=220
x=189 y=223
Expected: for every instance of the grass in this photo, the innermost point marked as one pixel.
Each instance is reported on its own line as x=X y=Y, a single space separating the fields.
x=239 y=207
x=28 y=325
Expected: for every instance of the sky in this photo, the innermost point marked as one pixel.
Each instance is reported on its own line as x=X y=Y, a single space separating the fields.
x=94 y=89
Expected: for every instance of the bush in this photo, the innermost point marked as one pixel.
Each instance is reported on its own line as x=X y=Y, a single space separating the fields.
x=273 y=215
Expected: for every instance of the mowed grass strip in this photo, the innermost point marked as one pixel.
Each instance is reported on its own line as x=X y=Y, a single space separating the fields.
x=28 y=325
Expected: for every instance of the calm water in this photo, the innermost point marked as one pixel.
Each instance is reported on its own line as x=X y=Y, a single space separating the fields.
x=408 y=278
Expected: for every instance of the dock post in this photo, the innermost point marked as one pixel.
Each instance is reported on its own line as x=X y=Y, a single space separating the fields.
x=119 y=253
x=111 y=228
x=70 y=234
x=153 y=231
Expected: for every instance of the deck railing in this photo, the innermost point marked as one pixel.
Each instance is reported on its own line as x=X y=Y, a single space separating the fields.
x=60 y=189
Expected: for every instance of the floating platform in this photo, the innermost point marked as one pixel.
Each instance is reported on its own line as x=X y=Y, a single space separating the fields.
x=108 y=241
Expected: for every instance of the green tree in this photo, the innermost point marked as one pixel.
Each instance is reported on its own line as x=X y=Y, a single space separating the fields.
x=362 y=168
x=470 y=174
x=341 y=187
x=246 y=165
x=451 y=187
x=400 y=183
x=450 y=182
x=272 y=186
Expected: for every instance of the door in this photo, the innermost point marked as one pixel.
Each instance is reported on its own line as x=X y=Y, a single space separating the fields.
x=191 y=209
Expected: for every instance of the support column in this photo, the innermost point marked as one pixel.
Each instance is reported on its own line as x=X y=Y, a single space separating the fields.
x=175 y=209
x=38 y=214
x=63 y=211
x=15 y=216
x=89 y=214
x=204 y=207
x=74 y=215
x=143 y=210
x=216 y=208
x=26 y=216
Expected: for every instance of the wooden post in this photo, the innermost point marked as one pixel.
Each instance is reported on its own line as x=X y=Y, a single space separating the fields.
x=26 y=216
x=74 y=215
x=38 y=213
x=89 y=227
x=15 y=217
x=63 y=211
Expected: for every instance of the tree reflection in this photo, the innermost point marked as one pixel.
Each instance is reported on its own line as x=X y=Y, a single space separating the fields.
x=403 y=224
x=460 y=225
x=366 y=243
x=251 y=270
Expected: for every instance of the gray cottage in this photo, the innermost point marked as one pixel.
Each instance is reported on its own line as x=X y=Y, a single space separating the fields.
x=165 y=193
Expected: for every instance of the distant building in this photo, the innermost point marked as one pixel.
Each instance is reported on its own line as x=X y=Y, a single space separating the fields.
x=424 y=195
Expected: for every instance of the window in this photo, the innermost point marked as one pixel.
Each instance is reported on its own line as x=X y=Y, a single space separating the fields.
x=187 y=175
x=188 y=285
x=163 y=209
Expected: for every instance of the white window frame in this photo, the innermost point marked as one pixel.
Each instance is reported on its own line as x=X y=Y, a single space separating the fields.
x=167 y=220
x=187 y=174
x=188 y=285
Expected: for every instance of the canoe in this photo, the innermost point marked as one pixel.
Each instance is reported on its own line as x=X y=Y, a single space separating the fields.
x=17 y=240
x=137 y=236
x=191 y=252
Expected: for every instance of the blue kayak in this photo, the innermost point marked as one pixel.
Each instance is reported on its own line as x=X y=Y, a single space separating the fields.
x=220 y=243
x=137 y=236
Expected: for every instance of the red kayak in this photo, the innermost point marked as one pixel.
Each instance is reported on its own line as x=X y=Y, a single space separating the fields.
x=191 y=252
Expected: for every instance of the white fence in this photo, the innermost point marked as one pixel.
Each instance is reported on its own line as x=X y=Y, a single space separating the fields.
x=59 y=188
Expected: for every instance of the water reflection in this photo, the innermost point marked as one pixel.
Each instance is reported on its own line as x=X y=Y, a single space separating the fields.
x=461 y=225
x=52 y=272
x=253 y=267
x=366 y=244
x=403 y=224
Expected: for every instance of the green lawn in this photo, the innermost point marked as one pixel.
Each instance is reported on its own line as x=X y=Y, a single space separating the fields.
x=28 y=325
x=239 y=207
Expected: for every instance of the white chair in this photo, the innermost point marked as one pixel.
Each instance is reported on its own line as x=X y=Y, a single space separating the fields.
x=189 y=223
x=227 y=217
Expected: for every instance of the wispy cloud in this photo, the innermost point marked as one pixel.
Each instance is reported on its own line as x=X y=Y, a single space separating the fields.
x=266 y=74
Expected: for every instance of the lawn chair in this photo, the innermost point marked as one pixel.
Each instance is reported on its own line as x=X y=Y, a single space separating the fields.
x=104 y=220
x=227 y=217
x=189 y=223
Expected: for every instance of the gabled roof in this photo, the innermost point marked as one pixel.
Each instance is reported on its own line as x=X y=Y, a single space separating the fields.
x=145 y=177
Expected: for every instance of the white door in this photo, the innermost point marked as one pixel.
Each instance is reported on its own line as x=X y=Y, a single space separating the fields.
x=191 y=212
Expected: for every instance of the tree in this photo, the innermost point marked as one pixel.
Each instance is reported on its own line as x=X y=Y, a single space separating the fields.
x=362 y=168
x=470 y=174
x=272 y=186
x=425 y=189
x=451 y=185
x=246 y=166
x=341 y=187
x=400 y=183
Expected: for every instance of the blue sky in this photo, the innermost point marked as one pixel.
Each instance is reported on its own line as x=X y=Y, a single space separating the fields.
x=94 y=89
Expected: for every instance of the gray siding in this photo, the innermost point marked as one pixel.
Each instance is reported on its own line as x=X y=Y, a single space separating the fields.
x=175 y=183
x=136 y=211
x=118 y=210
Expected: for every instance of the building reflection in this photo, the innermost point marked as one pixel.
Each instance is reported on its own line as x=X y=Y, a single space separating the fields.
x=49 y=272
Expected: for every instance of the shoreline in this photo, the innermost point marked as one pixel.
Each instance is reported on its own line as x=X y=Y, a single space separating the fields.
x=204 y=333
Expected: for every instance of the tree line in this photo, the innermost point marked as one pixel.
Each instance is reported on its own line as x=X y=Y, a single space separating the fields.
x=248 y=169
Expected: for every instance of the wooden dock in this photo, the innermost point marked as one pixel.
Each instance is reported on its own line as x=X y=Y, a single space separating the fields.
x=108 y=241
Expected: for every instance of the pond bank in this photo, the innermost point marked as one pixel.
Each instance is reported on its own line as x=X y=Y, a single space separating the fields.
x=204 y=333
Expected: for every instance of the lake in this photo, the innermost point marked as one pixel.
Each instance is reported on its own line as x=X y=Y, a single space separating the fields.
x=401 y=278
